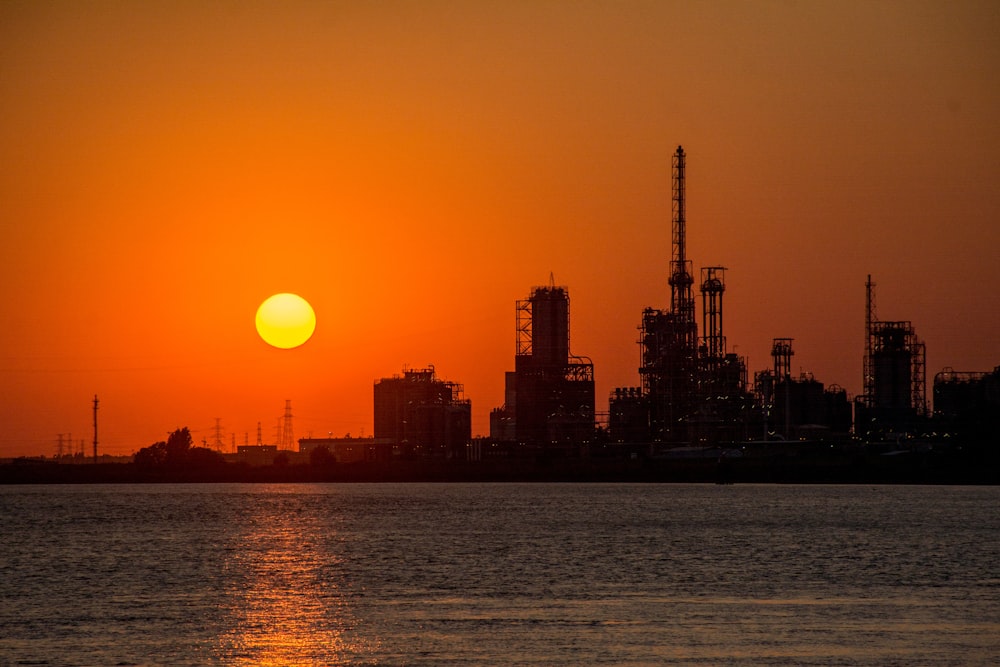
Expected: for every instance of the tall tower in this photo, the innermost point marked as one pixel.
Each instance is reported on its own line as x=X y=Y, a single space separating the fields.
x=217 y=443
x=287 y=438
x=868 y=371
x=668 y=339
x=543 y=326
x=681 y=280
x=549 y=398
x=894 y=374
x=713 y=285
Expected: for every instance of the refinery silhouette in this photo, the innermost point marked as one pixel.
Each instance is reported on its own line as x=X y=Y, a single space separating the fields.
x=695 y=414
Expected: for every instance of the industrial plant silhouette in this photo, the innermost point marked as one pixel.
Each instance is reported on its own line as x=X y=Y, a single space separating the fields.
x=694 y=400
x=692 y=392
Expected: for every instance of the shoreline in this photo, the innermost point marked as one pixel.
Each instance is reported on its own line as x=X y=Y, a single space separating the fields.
x=924 y=467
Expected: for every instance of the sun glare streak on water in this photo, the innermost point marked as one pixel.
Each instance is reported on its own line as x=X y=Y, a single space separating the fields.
x=499 y=575
x=285 y=586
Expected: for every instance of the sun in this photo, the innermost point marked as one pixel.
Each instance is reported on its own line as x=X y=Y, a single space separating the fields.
x=285 y=320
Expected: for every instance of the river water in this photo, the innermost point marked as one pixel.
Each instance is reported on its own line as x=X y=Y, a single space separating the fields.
x=499 y=574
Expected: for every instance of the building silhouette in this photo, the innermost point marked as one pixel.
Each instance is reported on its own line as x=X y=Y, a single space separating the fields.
x=349 y=450
x=693 y=390
x=894 y=399
x=967 y=406
x=798 y=408
x=422 y=416
x=549 y=397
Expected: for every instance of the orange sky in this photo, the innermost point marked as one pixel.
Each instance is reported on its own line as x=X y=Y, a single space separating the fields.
x=414 y=168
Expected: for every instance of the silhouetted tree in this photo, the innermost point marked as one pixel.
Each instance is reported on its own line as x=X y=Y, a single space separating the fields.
x=154 y=455
x=179 y=444
x=176 y=451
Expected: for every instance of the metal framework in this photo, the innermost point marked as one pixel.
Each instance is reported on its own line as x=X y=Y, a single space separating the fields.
x=691 y=388
x=287 y=435
x=868 y=370
x=580 y=369
x=713 y=285
x=681 y=299
x=670 y=370
x=548 y=328
x=550 y=394
x=884 y=338
x=523 y=312
x=781 y=351
x=919 y=392
x=949 y=374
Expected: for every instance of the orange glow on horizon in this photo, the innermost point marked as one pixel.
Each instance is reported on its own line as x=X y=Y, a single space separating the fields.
x=415 y=168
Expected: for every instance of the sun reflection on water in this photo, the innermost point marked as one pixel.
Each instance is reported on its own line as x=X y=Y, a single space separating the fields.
x=287 y=604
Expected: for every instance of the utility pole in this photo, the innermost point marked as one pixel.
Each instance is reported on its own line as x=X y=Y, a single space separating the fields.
x=95 y=428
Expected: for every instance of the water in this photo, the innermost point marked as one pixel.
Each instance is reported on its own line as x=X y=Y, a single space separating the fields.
x=546 y=574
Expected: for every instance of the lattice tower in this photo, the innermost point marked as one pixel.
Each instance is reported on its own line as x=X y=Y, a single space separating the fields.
x=287 y=438
x=868 y=371
x=681 y=298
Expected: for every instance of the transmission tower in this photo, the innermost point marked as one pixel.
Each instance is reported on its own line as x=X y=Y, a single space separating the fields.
x=218 y=434
x=287 y=438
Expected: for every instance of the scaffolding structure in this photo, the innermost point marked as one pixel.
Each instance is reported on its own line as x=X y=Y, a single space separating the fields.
x=550 y=393
x=894 y=373
x=693 y=388
x=781 y=353
x=868 y=370
x=898 y=363
x=668 y=339
x=895 y=362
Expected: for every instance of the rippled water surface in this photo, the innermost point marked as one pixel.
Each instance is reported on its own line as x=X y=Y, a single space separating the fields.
x=505 y=574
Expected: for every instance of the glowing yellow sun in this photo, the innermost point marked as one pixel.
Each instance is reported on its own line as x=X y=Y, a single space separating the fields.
x=285 y=320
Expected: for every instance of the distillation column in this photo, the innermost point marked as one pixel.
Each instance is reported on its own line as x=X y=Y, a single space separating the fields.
x=713 y=285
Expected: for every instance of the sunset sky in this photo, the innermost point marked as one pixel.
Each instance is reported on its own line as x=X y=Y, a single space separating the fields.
x=413 y=168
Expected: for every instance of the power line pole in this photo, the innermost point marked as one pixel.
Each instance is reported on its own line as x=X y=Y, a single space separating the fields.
x=95 y=428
